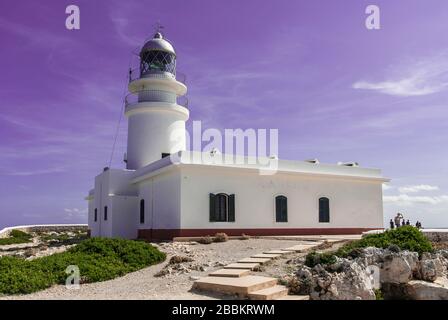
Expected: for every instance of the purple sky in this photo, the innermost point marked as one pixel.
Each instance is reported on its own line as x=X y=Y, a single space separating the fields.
x=335 y=90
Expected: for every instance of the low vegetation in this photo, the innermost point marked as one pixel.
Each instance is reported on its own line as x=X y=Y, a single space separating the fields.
x=403 y=238
x=205 y=240
x=98 y=259
x=63 y=237
x=244 y=237
x=221 y=237
x=15 y=237
x=312 y=259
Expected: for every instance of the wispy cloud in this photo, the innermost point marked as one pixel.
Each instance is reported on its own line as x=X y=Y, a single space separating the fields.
x=35 y=36
x=416 y=79
x=407 y=200
x=34 y=172
x=417 y=188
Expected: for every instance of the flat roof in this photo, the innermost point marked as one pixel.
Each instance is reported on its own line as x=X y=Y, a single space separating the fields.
x=264 y=165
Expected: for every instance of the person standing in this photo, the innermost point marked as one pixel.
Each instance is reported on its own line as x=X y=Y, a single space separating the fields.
x=408 y=223
x=391 y=223
x=397 y=219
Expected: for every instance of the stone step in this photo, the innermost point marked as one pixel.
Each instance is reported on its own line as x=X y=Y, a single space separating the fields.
x=254 y=260
x=233 y=273
x=248 y=266
x=279 y=252
x=294 y=297
x=271 y=293
x=240 y=286
x=266 y=255
x=302 y=247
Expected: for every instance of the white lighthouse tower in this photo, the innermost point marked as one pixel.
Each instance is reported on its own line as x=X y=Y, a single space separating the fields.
x=156 y=115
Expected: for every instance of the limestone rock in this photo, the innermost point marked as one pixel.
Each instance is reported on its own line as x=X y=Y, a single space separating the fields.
x=398 y=267
x=422 y=290
x=349 y=282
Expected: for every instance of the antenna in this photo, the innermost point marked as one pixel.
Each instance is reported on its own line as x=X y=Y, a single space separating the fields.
x=158 y=27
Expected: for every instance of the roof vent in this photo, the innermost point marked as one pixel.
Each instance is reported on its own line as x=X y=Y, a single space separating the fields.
x=348 y=164
x=315 y=161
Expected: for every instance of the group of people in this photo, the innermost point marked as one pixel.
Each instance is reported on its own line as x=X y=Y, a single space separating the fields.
x=400 y=221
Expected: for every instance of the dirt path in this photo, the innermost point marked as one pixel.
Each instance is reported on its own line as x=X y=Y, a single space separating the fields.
x=143 y=285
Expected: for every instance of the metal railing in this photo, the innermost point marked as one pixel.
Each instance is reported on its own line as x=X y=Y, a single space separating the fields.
x=134 y=74
x=155 y=96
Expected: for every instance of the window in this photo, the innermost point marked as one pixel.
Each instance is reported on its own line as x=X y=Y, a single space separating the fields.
x=142 y=211
x=95 y=218
x=105 y=213
x=324 y=210
x=222 y=207
x=164 y=155
x=281 y=209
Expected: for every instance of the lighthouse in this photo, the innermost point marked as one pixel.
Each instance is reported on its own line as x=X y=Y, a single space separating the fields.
x=158 y=199
x=156 y=107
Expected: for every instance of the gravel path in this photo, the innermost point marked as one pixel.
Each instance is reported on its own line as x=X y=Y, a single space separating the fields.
x=143 y=285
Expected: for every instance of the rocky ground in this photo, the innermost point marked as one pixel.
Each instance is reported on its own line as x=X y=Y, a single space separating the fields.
x=168 y=280
x=402 y=274
x=43 y=244
x=373 y=273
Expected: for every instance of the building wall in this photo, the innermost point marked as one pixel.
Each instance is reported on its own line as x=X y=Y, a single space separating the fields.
x=162 y=204
x=108 y=185
x=355 y=205
x=123 y=217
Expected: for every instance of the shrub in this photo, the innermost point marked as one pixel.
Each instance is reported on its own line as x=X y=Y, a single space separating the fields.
x=205 y=240
x=245 y=237
x=313 y=258
x=98 y=259
x=221 y=237
x=379 y=294
x=405 y=238
x=15 y=237
x=180 y=259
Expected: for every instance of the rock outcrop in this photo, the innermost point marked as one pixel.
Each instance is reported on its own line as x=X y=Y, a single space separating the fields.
x=344 y=280
x=399 y=274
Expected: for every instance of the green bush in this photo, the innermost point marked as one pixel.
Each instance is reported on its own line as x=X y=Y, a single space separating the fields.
x=379 y=294
x=404 y=238
x=313 y=258
x=15 y=237
x=98 y=259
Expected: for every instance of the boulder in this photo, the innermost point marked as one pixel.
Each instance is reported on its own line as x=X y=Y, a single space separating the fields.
x=398 y=267
x=432 y=266
x=422 y=290
x=350 y=282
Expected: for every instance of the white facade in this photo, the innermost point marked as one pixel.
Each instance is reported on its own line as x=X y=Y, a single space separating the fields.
x=193 y=194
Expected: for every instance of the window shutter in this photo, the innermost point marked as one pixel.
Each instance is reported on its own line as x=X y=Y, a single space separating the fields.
x=285 y=210
x=231 y=212
x=324 y=210
x=278 y=209
x=212 y=208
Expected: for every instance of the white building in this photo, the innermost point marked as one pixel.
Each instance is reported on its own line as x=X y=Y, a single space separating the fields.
x=167 y=192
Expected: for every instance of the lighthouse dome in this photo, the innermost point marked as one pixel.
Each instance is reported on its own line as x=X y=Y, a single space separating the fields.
x=158 y=43
x=157 y=55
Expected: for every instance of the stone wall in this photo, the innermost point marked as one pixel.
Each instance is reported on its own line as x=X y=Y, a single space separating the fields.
x=436 y=235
